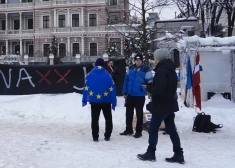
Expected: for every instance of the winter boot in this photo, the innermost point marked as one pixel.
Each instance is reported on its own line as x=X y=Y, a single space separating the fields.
x=147 y=156
x=137 y=135
x=107 y=138
x=127 y=132
x=176 y=159
x=95 y=139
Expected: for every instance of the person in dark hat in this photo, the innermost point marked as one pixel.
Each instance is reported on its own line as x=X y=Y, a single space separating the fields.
x=164 y=99
x=134 y=93
x=100 y=91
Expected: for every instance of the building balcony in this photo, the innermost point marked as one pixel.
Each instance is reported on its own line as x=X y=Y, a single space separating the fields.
x=71 y=29
x=10 y=32
x=17 y=6
x=52 y=3
x=117 y=7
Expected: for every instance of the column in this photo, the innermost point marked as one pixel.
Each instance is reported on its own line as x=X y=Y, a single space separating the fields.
x=6 y=31
x=10 y=52
x=20 y=22
x=68 y=44
x=55 y=18
x=24 y=51
x=82 y=17
x=82 y=40
x=68 y=18
x=6 y=47
x=122 y=47
x=21 y=48
x=6 y=1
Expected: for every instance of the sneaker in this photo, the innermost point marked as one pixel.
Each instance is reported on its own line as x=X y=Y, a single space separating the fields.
x=95 y=139
x=147 y=157
x=127 y=133
x=137 y=135
x=107 y=138
x=176 y=159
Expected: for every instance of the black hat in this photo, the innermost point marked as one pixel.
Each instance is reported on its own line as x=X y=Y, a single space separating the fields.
x=100 y=62
x=138 y=56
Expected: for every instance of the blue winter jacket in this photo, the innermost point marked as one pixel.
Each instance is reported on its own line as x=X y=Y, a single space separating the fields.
x=134 y=79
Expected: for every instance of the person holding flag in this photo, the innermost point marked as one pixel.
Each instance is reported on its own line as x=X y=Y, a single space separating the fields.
x=100 y=91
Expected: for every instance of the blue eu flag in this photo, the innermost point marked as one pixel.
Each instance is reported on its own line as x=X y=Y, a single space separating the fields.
x=99 y=88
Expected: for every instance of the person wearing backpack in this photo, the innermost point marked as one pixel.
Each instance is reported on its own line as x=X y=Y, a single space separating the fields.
x=164 y=104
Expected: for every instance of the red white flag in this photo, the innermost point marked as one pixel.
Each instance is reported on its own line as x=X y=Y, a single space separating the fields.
x=196 y=82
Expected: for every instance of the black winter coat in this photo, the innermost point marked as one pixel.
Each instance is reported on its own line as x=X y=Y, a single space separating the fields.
x=164 y=88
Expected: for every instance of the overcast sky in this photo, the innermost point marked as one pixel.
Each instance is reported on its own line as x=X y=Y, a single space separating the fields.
x=167 y=12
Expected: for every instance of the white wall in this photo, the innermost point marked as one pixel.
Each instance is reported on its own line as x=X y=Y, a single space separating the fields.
x=216 y=74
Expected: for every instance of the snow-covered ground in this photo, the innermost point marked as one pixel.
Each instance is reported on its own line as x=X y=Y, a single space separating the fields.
x=53 y=131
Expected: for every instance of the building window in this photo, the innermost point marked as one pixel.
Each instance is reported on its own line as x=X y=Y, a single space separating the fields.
x=46 y=49
x=2 y=1
x=16 y=24
x=92 y=20
x=93 y=49
x=117 y=43
x=45 y=21
x=61 y=20
x=31 y=50
x=75 y=49
x=191 y=33
x=3 y=24
x=62 y=49
x=113 y=2
x=3 y=50
x=17 y=50
x=75 y=20
x=25 y=1
x=113 y=19
x=30 y=23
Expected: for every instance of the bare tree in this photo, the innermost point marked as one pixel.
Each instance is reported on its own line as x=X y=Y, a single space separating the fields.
x=228 y=6
x=140 y=33
x=209 y=11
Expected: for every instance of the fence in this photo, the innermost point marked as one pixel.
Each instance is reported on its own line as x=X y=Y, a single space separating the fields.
x=26 y=59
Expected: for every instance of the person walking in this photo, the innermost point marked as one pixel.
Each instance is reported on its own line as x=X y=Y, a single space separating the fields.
x=134 y=94
x=164 y=98
x=100 y=91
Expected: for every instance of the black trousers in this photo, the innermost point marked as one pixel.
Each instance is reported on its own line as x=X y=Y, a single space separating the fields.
x=95 y=115
x=137 y=103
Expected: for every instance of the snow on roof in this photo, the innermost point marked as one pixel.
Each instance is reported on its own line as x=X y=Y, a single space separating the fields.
x=209 y=41
x=177 y=19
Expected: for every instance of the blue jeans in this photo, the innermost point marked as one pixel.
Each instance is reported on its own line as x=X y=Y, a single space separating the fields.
x=171 y=130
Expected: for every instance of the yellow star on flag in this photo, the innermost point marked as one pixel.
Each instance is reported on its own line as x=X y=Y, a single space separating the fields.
x=111 y=89
x=86 y=88
x=99 y=67
x=91 y=93
x=106 y=93
x=98 y=96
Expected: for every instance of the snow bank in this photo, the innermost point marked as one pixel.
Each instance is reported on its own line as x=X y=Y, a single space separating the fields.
x=209 y=41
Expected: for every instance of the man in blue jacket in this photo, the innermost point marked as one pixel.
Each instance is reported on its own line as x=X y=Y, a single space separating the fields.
x=100 y=91
x=134 y=93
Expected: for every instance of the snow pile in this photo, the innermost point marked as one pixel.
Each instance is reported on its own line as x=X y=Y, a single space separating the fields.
x=209 y=41
x=53 y=131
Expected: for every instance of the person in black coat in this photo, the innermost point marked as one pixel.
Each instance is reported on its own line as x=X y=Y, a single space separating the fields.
x=164 y=103
x=112 y=70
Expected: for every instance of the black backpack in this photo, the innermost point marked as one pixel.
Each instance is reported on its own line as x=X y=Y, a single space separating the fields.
x=202 y=123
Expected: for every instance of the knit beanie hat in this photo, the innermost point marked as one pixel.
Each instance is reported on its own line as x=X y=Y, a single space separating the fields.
x=138 y=56
x=100 y=62
x=161 y=54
